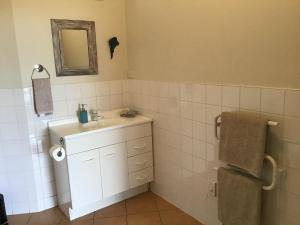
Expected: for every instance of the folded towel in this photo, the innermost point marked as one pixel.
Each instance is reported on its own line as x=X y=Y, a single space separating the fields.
x=239 y=198
x=42 y=96
x=243 y=141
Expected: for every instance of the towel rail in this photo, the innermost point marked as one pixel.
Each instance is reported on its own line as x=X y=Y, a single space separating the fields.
x=218 y=124
x=267 y=157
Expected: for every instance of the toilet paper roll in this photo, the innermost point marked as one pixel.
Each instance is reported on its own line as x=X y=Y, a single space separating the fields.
x=57 y=153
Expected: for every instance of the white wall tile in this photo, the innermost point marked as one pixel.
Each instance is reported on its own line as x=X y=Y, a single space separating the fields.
x=250 y=98
x=291 y=155
x=116 y=101
x=103 y=103
x=292 y=105
x=187 y=144
x=211 y=113
x=174 y=90
x=199 y=93
x=163 y=89
x=116 y=87
x=186 y=110
x=88 y=90
x=272 y=100
x=199 y=112
x=73 y=91
x=231 y=96
x=213 y=94
x=186 y=92
x=186 y=127
x=7 y=97
x=163 y=105
x=102 y=88
x=199 y=149
x=58 y=93
x=199 y=131
x=292 y=130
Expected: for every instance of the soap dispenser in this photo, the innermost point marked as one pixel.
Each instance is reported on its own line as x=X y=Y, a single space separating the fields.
x=83 y=115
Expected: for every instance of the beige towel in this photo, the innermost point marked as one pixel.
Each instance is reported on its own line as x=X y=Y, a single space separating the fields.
x=239 y=198
x=243 y=141
x=42 y=96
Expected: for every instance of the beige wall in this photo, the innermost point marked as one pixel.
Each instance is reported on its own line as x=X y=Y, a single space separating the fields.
x=34 y=40
x=9 y=64
x=250 y=42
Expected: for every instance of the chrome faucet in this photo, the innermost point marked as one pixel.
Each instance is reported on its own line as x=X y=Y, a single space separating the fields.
x=95 y=116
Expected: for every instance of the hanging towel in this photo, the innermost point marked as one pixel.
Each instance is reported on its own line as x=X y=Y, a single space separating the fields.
x=243 y=141
x=42 y=96
x=239 y=198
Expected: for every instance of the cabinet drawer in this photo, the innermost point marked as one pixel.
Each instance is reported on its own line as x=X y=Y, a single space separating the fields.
x=140 y=162
x=141 y=177
x=139 y=146
x=93 y=141
x=139 y=131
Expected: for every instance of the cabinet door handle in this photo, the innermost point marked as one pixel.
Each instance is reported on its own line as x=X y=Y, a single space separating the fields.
x=88 y=160
x=110 y=154
x=140 y=147
x=142 y=177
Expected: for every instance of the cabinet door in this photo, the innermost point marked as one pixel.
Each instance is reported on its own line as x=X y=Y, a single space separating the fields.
x=114 y=169
x=85 y=178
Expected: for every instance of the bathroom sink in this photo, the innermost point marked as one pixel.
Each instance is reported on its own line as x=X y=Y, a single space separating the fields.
x=111 y=120
x=94 y=125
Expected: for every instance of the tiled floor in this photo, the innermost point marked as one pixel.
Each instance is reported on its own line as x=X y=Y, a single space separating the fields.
x=144 y=209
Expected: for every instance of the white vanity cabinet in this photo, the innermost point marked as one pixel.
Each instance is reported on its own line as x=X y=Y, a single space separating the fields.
x=103 y=165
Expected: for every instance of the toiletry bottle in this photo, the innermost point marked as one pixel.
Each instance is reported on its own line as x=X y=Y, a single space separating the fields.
x=83 y=115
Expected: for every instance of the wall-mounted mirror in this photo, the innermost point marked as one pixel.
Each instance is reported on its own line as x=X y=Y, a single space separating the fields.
x=74 y=45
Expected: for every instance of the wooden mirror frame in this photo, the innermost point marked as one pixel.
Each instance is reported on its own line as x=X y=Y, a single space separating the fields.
x=57 y=25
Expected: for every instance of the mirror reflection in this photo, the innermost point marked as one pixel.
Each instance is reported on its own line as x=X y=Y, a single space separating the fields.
x=75 y=49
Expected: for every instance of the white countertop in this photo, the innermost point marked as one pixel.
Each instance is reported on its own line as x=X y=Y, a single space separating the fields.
x=72 y=128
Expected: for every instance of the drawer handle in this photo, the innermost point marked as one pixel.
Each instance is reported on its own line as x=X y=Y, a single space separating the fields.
x=110 y=154
x=88 y=160
x=142 y=177
x=141 y=163
x=140 y=147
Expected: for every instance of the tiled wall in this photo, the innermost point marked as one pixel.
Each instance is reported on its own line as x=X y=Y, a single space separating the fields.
x=184 y=143
x=26 y=170
x=186 y=150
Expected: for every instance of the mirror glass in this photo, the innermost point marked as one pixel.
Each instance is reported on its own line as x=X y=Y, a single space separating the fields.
x=76 y=52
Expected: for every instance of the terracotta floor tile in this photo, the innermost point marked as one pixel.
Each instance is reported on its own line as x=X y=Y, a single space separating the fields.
x=48 y=217
x=141 y=204
x=144 y=219
x=120 y=220
x=163 y=204
x=66 y=221
x=177 y=217
x=111 y=211
x=21 y=219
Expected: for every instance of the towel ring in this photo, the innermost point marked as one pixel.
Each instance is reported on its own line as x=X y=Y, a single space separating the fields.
x=39 y=68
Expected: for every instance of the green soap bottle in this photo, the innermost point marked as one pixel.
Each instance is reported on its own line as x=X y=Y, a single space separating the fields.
x=83 y=115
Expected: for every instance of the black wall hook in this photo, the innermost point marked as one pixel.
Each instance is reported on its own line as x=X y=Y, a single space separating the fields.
x=113 y=43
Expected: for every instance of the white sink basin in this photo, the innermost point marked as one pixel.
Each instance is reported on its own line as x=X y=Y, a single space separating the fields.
x=111 y=120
